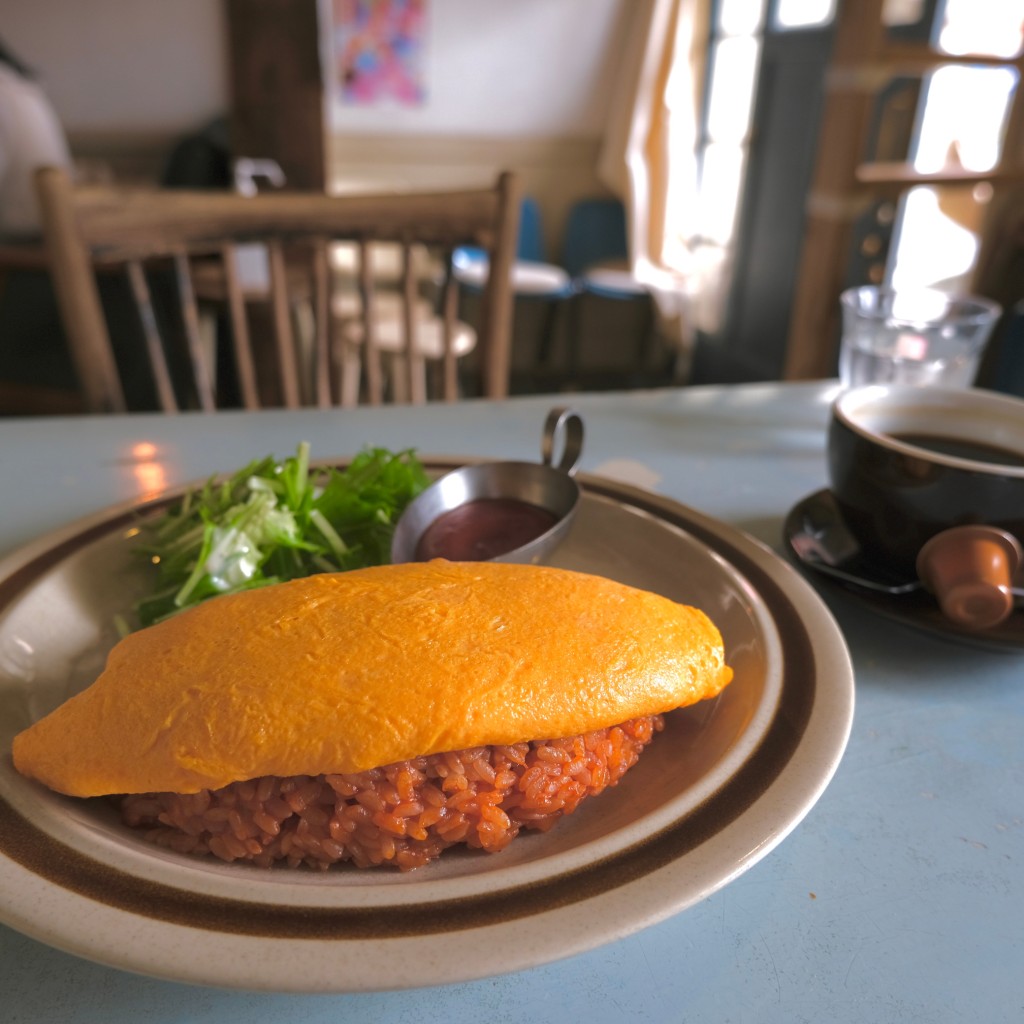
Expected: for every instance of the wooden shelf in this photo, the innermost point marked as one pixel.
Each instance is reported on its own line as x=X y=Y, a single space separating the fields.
x=921 y=59
x=905 y=175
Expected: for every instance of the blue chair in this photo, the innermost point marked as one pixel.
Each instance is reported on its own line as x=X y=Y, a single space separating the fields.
x=531 y=234
x=596 y=255
x=595 y=233
x=532 y=276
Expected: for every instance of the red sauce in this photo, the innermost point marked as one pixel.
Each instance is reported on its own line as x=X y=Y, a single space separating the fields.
x=483 y=529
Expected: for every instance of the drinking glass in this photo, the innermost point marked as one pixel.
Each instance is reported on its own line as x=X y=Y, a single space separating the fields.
x=923 y=337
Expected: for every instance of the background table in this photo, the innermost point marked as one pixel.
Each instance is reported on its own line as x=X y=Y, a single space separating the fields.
x=899 y=898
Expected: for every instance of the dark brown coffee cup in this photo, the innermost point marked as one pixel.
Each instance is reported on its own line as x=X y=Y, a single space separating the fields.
x=906 y=463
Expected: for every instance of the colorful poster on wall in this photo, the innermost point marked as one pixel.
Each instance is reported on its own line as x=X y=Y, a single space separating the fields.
x=380 y=51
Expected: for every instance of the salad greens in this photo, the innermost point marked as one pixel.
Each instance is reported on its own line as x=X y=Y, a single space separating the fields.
x=274 y=521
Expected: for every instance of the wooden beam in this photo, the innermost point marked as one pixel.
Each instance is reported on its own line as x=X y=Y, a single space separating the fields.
x=833 y=205
x=904 y=175
x=277 y=85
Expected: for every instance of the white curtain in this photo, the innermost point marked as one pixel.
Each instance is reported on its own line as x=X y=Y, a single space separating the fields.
x=649 y=157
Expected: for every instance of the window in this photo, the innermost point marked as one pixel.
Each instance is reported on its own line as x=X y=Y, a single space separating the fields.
x=959 y=120
x=733 y=66
x=962 y=117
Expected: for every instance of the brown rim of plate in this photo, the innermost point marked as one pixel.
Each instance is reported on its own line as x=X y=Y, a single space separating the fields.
x=64 y=866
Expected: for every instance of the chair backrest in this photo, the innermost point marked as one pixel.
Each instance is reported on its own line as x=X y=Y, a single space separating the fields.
x=530 y=245
x=595 y=231
x=133 y=231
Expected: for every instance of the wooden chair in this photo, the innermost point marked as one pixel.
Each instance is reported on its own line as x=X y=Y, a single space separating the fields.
x=189 y=232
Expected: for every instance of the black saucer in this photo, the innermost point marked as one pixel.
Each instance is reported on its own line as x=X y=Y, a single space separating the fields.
x=903 y=601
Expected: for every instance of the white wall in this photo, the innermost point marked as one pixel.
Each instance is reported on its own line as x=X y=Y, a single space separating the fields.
x=517 y=84
x=513 y=84
x=507 y=68
x=495 y=67
x=153 y=67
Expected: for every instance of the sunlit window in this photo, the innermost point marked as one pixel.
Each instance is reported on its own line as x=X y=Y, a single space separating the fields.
x=804 y=13
x=733 y=78
x=721 y=185
x=981 y=26
x=964 y=112
x=960 y=123
x=740 y=17
x=733 y=66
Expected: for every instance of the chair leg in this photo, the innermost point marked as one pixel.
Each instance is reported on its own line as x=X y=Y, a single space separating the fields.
x=442 y=380
x=351 y=373
x=574 y=328
x=397 y=379
x=304 y=332
x=406 y=382
x=649 y=333
x=419 y=380
x=547 y=338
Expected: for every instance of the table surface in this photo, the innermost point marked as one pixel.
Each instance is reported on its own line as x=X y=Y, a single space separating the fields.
x=898 y=898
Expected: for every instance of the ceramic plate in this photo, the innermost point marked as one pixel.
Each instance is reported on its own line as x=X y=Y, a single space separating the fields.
x=724 y=783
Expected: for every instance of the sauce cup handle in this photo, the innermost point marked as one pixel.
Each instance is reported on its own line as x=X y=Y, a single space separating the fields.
x=566 y=426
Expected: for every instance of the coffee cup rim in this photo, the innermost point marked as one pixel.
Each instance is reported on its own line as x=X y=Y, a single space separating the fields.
x=923 y=398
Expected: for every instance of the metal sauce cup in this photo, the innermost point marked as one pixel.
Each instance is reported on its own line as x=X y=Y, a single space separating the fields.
x=546 y=485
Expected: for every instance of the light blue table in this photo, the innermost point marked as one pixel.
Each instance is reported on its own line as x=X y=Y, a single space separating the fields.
x=899 y=898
